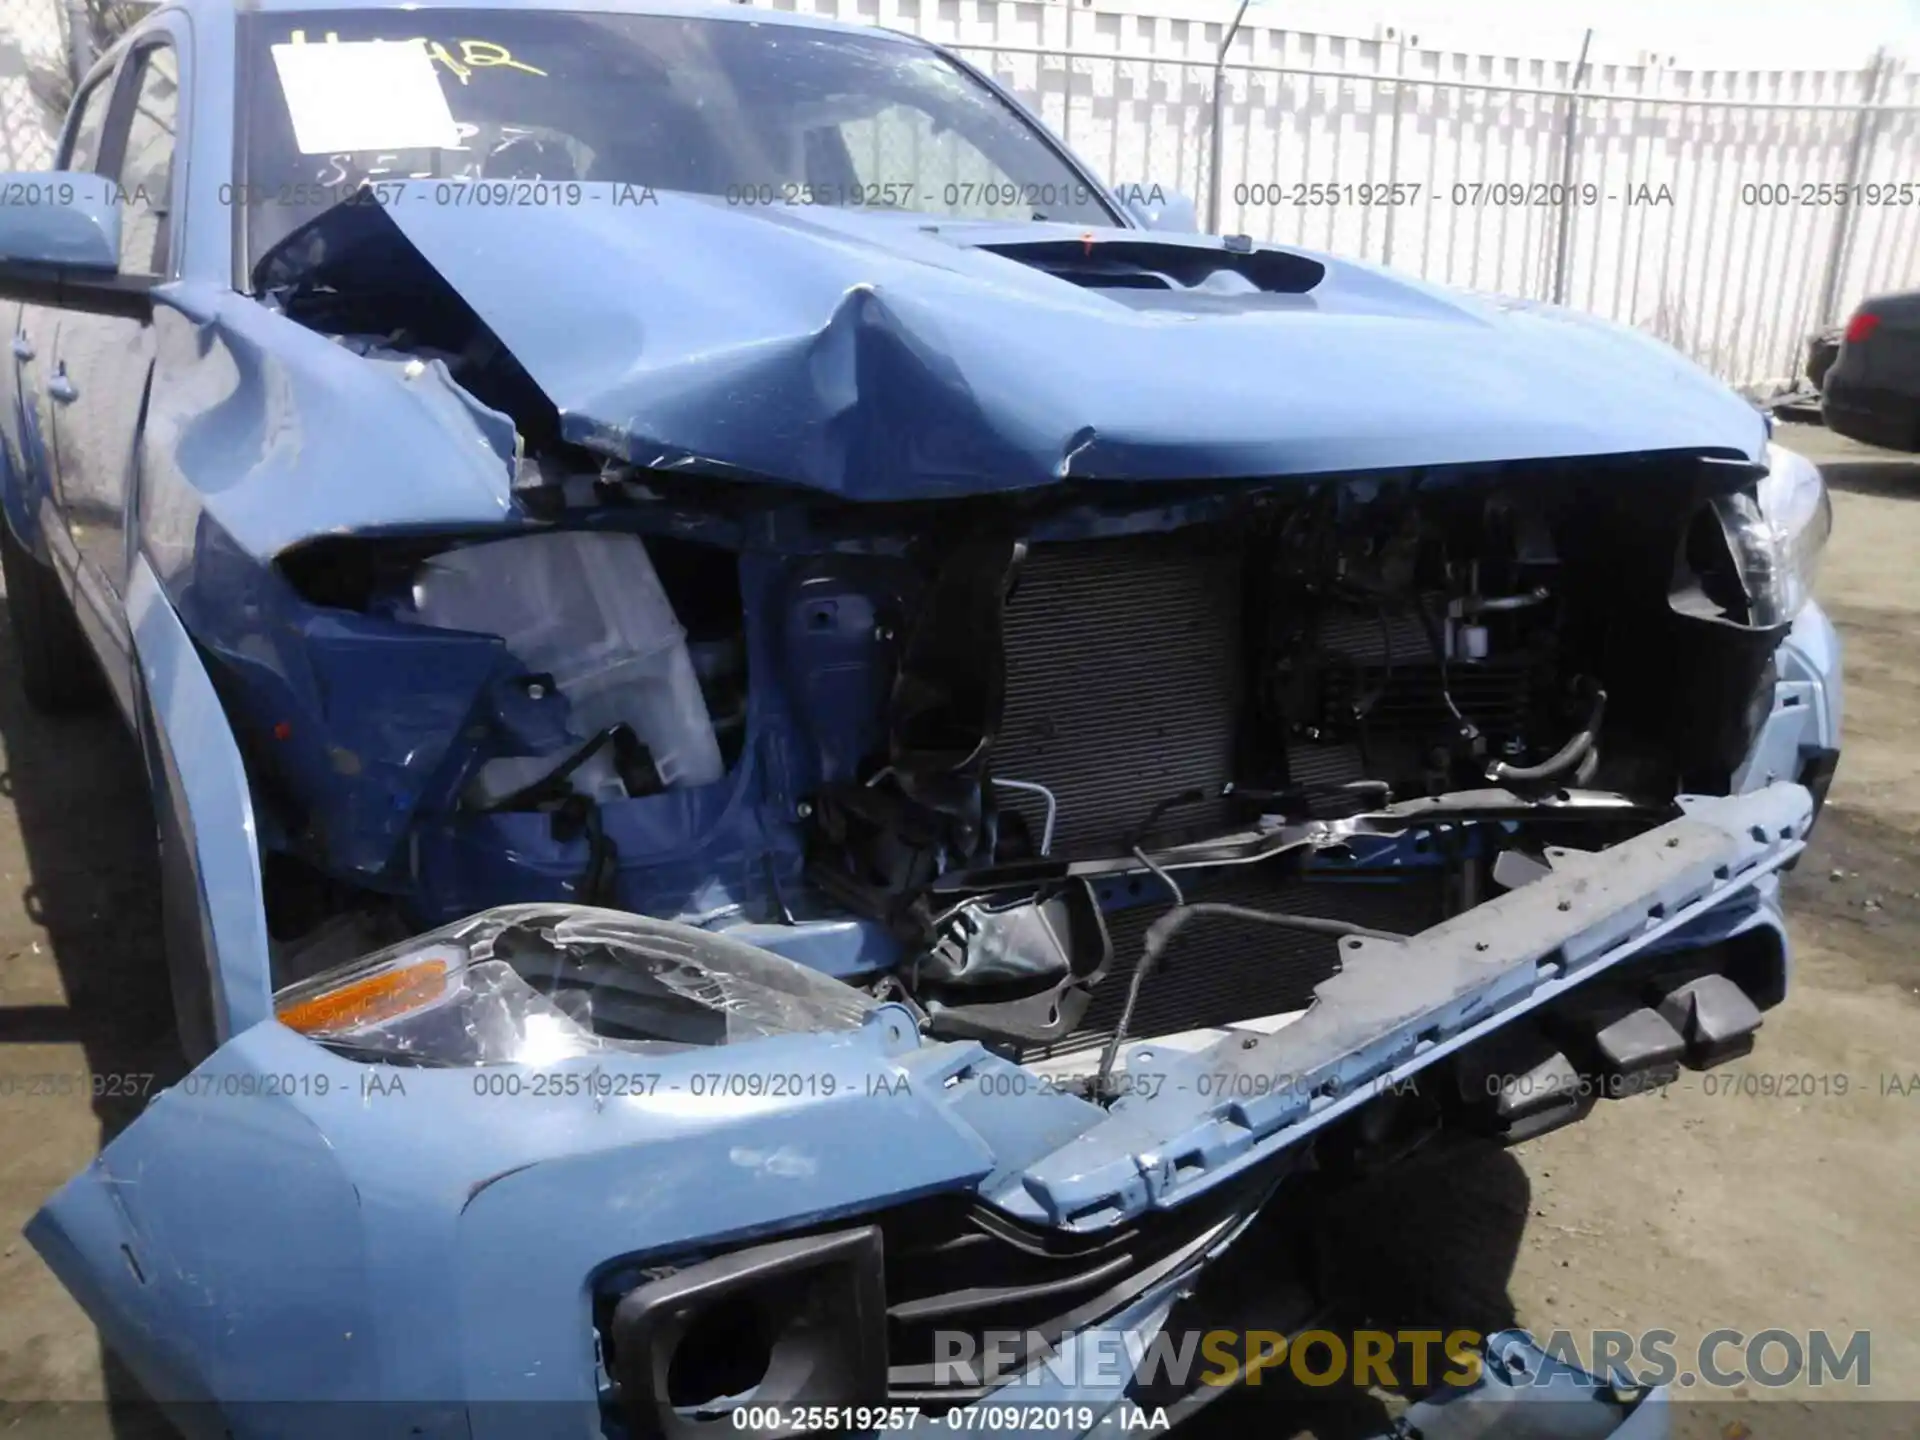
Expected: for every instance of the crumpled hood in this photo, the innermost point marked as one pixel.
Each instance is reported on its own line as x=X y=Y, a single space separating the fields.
x=882 y=356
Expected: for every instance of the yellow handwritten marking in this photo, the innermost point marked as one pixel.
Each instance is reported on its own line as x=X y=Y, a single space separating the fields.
x=477 y=55
x=482 y=54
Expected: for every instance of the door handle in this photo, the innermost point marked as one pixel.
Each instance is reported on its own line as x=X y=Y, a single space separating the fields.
x=22 y=347
x=61 y=388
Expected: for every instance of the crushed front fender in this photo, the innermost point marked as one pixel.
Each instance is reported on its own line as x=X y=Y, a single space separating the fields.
x=286 y=1226
x=289 y=1225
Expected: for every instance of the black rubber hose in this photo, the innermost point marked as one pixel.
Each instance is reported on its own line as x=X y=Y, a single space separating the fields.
x=598 y=880
x=549 y=786
x=1563 y=759
x=1146 y=827
x=1588 y=767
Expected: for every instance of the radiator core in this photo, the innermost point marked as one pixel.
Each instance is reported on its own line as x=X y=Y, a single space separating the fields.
x=1123 y=678
x=1125 y=666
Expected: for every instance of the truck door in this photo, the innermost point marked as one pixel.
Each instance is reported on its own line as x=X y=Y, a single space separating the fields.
x=102 y=363
x=30 y=334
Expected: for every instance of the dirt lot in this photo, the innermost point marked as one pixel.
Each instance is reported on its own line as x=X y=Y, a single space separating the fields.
x=1687 y=1211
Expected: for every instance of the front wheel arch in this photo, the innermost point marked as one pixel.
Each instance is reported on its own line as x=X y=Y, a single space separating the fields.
x=183 y=912
x=213 y=905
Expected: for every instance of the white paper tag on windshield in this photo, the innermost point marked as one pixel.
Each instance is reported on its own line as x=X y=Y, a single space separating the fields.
x=364 y=95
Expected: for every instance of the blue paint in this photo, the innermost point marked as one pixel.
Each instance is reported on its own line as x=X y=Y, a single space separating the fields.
x=1128 y=1163
x=439 y=1245
x=1526 y=1394
x=1806 y=710
x=884 y=357
x=213 y=803
x=429 y=1293
x=64 y=220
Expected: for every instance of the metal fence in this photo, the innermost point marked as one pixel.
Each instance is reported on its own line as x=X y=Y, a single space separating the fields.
x=1729 y=212
x=33 y=48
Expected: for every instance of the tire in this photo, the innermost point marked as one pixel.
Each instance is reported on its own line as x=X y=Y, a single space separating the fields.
x=1822 y=350
x=183 y=936
x=181 y=933
x=57 y=669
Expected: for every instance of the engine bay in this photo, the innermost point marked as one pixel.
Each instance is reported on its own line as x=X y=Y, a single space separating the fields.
x=1055 y=774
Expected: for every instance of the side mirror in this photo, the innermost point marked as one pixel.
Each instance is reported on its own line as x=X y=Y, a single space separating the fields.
x=1158 y=208
x=60 y=244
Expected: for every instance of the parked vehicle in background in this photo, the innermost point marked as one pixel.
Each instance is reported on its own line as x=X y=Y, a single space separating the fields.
x=1871 y=392
x=1822 y=348
x=789 y=736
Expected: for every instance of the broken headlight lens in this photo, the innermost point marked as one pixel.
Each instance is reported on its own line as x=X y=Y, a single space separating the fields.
x=534 y=984
x=1777 y=536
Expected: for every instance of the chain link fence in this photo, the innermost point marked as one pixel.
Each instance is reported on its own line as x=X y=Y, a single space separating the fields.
x=35 y=81
x=1729 y=212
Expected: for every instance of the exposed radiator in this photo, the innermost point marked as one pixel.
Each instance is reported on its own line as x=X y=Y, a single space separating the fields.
x=1123 y=682
x=1125 y=666
x=1218 y=971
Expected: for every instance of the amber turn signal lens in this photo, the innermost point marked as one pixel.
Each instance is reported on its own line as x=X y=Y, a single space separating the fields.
x=368 y=1000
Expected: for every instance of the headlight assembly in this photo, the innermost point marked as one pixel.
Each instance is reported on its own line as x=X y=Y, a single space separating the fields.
x=1776 y=536
x=534 y=984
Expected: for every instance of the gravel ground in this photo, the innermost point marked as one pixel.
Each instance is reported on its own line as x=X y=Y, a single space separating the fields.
x=1685 y=1211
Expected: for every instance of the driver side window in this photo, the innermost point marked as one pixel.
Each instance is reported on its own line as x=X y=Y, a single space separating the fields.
x=83 y=152
x=146 y=164
x=900 y=149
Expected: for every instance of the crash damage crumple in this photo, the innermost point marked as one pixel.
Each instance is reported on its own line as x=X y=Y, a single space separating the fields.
x=278 y=434
x=889 y=357
x=289 y=1225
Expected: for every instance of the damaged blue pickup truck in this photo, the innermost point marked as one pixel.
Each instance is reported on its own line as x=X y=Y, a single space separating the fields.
x=789 y=737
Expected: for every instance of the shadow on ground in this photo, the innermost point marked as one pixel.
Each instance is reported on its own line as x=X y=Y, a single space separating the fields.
x=1429 y=1245
x=92 y=882
x=1894 y=477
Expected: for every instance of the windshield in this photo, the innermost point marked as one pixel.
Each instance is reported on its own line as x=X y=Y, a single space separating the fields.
x=751 y=113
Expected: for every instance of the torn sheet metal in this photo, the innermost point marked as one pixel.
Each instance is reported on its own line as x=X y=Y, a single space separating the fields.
x=279 y=434
x=287 y=1226
x=884 y=356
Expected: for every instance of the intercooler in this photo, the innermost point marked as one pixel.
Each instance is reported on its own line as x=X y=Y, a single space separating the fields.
x=1123 y=678
x=1125 y=671
x=1384 y=666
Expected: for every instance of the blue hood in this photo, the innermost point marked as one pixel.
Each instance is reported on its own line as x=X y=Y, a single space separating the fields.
x=881 y=356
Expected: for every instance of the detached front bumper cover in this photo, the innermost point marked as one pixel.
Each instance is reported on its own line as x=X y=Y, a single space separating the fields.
x=290 y=1226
